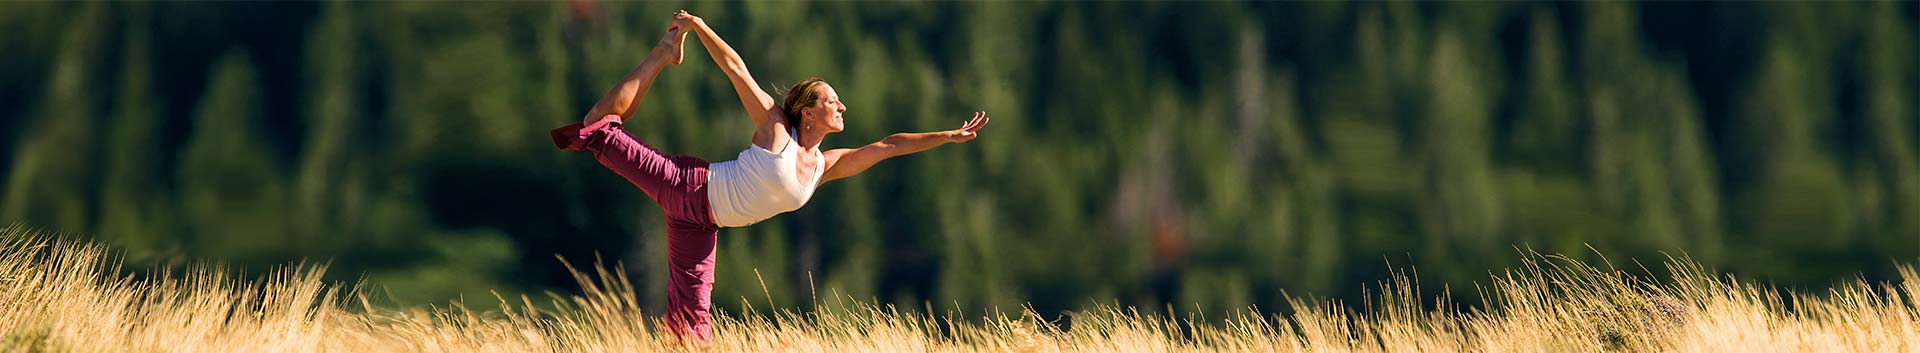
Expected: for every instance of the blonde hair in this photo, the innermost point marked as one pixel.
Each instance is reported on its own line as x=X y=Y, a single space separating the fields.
x=798 y=97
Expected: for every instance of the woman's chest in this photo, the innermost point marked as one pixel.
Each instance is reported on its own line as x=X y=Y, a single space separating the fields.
x=806 y=163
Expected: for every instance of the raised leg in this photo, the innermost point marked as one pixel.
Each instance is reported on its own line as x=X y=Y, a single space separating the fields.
x=664 y=177
x=625 y=97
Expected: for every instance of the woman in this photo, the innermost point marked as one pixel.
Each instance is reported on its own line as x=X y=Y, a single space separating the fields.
x=777 y=174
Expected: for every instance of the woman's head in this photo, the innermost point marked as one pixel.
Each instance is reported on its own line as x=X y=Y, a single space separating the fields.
x=812 y=104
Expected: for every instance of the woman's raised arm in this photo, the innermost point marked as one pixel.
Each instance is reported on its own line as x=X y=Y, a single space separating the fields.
x=759 y=105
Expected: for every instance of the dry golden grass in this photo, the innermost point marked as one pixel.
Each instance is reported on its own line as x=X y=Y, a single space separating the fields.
x=59 y=296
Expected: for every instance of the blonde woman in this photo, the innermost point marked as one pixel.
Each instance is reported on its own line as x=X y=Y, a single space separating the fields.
x=778 y=173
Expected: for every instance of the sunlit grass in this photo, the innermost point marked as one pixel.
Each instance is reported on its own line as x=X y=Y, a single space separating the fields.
x=61 y=296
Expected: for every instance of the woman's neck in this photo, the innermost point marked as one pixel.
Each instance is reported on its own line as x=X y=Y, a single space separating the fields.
x=809 y=138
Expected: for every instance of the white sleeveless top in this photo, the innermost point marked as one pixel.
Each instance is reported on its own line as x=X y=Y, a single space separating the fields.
x=760 y=184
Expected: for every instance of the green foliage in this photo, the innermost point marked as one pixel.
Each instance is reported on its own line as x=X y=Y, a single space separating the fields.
x=134 y=209
x=51 y=177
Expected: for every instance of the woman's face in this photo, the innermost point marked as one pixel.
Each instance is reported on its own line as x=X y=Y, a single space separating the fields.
x=826 y=114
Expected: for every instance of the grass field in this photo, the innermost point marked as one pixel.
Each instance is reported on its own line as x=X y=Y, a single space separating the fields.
x=60 y=296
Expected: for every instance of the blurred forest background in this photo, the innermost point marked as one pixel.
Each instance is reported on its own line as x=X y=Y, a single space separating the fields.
x=1203 y=154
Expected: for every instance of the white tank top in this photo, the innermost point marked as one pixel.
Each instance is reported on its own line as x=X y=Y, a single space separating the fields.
x=760 y=184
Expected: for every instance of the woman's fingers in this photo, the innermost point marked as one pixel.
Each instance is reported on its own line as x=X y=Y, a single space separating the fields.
x=972 y=125
x=980 y=120
x=970 y=129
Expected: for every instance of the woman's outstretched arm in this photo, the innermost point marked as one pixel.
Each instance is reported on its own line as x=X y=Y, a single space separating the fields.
x=760 y=106
x=624 y=98
x=846 y=162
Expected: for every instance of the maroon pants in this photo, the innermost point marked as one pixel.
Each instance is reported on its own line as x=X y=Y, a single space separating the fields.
x=679 y=185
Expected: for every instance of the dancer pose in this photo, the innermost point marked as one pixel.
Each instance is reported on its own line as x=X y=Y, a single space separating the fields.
x=777 y=174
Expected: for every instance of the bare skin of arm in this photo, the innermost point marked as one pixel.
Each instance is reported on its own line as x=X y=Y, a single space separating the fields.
x=847 y=162
x=769 y=124
x=625 y=96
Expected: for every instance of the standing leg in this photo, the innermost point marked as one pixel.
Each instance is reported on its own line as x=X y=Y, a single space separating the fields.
x=690 y=257
x=691 y=240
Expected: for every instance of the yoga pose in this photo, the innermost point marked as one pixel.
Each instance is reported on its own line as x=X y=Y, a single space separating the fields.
x=777 y=174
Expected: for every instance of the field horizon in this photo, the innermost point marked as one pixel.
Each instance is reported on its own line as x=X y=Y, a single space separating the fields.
x=59 y=295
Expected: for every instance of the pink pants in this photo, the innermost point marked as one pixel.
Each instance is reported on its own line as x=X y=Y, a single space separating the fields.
x=679 y=185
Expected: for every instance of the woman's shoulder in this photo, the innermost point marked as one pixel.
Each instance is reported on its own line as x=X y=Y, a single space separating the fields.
x=774 y=136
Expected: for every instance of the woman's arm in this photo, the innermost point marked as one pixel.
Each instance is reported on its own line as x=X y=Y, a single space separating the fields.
x=846 y=162
x=760 y=106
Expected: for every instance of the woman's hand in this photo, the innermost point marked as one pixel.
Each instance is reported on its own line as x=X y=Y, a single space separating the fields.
x=686 y=22
x=971 y=129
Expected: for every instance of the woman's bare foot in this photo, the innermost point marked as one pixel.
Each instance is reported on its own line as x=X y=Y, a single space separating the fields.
x=673 y=43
